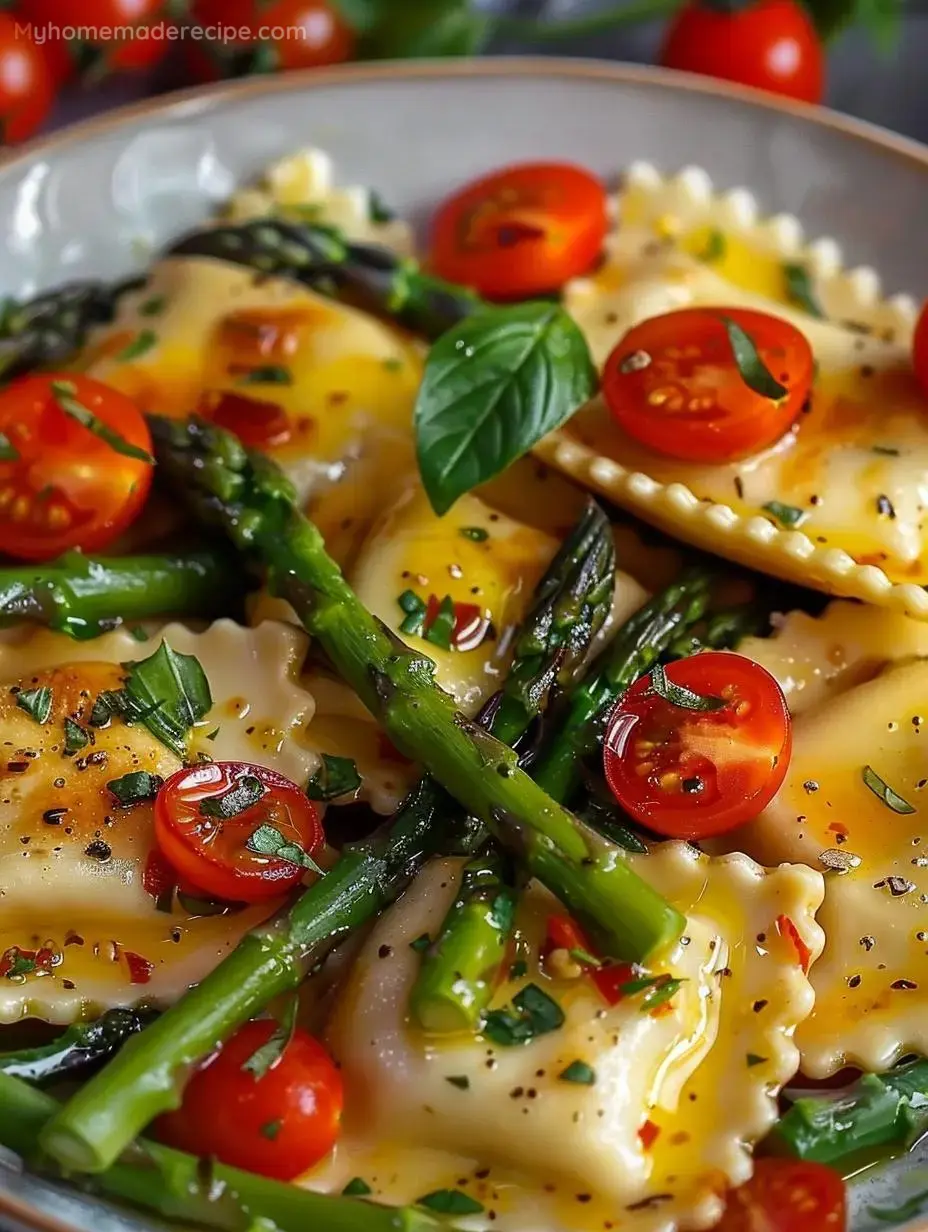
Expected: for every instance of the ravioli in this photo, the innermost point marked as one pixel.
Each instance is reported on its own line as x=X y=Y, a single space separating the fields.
x=852 y=474
x=652 y=1142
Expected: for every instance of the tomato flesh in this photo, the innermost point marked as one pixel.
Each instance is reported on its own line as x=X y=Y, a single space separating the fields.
x=213 y=853
x=673 y=384
x=787 y=1195
x=62 y=486
x=691 y=773
x=278 y=1125
x=521 y=231
x=920 y=350
x=257 y=424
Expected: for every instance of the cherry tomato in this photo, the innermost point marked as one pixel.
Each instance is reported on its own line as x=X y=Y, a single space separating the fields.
x=521 y=231
x=787 y=1195
x=27 y=82
x=563 y=933
x=210 y=844
x=278 y=1125
x=673 y=383
x=281 y=34
x=688 y=771
x=63 y=485
x=770 y=44
x=140 y=30
x=920 y=349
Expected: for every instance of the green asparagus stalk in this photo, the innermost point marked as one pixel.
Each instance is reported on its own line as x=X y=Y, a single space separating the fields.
x=85 y=596
x=321 y=257
x=201 y=1193
x=879 y=1112
x=79 y=1048
x=723 y=630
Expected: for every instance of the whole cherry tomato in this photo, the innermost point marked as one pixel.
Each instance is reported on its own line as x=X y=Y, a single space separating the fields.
x=770 y=44
x=787 y=1195
x=127 y=34
x=920 y=349
x=699 y=747
x=280 y=34
x=277 y=1123
x=27 y=82
x=674 y=383
x=521 y=231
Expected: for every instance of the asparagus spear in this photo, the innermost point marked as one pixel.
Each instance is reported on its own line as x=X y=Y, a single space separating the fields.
x=84 y=596
x=198 y=1192
x=321 y=257
x=81 y=1046
x=879 y=1111
x=721 y=631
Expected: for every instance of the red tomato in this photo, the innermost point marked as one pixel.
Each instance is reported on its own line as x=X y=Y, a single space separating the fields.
x=27 y=82
x=131 y=34
x=673 y=383
x=566 y=934
x=787 y=1195
x=281 y=34
x=770 y=44
x=521 y=231
x=212 y=852
x=63 y=485
x=920 y=349
x=278 y=1125
x=689 y=773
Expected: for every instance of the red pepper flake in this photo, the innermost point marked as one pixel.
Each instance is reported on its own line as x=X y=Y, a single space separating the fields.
x=469 y=627
x=649 y=1134
x=140 y=968
x=257 y=424
x=788 y=930
x=16 y=962
x=566 y=934
x=838 y=827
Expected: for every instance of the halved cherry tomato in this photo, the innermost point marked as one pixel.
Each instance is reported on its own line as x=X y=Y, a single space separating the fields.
x=521 y=231
x=215 y=852
x=278 y=1125
x=920 y=349
x=565 y=933
x=62 y=484
x=688 y=772
x=673 y=383
x=787 y=1195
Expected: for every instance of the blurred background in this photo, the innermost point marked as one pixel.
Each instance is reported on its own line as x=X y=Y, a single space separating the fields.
x=61 y=60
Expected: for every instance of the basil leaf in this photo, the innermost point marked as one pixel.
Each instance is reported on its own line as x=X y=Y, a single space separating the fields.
x=799 y=289
x=494 y=385
x=882 y=790
x=679 y=695
x=139 y=345
x=450 y=1202
x=8 y=451
x=337 y=776
x=786 y=515
x=533 y=1013
x=270 y=374
x=268 y=841
x=64 y=393
x=267 y=1056
x=247 y=791
x=136 y=786
x=716 y=247
x=75 y=738
x=356 y=1188
x=37 y=703
x=752 y=369
x=579 y=1072
x=168 y=692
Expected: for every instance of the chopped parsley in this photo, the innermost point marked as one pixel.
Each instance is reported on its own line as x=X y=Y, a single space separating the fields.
x=140 y=344
x=786 y=515
x=270 y=374
x=715 y=247
x=75 y=738
x=579 y=1072
x=753 y=1059
x=270 y=1129
x=246 y=792
x=441 y=627
x=477 y=534
x=337 y=776
x=357 y=1188
x=531 y=1014
x=135 y=787
x=882 y=790
x=415 y=609
x=65 y=394
x=800 y=291
x=37 y=703
x=450 y=1202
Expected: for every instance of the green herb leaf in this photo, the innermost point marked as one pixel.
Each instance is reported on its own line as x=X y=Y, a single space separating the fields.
x=494 y=385
x=356 y=1188
x=421 y=943
x=679 y=695
x=441 y=628
x=888 y=451
x=270 y=1129
x=585 y=958
x=882 y=790
x=168 y=692
x=8 y=451
x=786 y=515
x=518 y=970
x=270 y=374
x=579 y=1072
x=799 y=289
x=247 y=791
x=662 y=991
x=903 y=1213
x=65 y=395
x=532 y=1013
x=450 y=1202
x=475 y=533
x=152 y=306
x=460 y=1081
x=75 y=738
x=337 y=776
x=268 y=841
x=716 y=246
x=135 y=787
x=415 y=609
x=267 y=1056
x=37 y=703
x=139 y=633
x=378 y=210
x=753 y=1059
x=754 y=372
x=107 y=705
x=140 y=344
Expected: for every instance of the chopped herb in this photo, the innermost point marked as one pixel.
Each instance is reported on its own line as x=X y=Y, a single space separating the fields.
x=168 y=692
x=270 y=374
x=659 y=994
x=680 y=696
x=270 y=1129
x=247 y=791
x=441 y=626
x=153 y=306
x=139 y=345
x=476 y=533
x=532 y=1013
x=799 y=289
x=20 y=963
x=754 y=372
x=459 y=1081
x=75 y=738
x=585 y=958
x=392 y=364
x=377 y=210
x=140 y=634
x=37 y=703
x=267 y=1056
x=753 y=1059
x=266 y=841
x=135 y=787
x=884 y=507
x=64 y=393
x=421 y=943
x=415 y=610
x=107 y=705
x=450 y=1202
x=786 y=515
x=212 y=735
x=716 y=247
x=356 y=1188
x=195 y=906
x=888 y=451
x=518 y=970
x=882 y=790
x=581 y=1073
x=337 y=776
x=8 y=451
